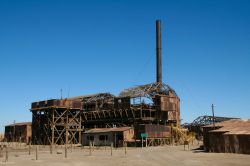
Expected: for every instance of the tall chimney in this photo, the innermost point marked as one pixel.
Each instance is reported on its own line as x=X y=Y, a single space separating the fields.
x=158 y=52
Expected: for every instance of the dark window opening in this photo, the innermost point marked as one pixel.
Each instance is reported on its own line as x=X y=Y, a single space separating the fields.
x=91 y=138
x=103 y=137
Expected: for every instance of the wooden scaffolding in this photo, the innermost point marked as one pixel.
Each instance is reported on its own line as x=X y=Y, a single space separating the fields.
x=56 y=124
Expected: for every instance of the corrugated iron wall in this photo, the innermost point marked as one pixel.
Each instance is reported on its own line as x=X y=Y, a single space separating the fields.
x=221 y=142
x=237 y=143
x=217 y=142
x=18 y=133
x=153 y=130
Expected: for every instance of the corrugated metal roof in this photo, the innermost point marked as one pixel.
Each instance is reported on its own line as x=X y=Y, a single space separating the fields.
x=239 y=130
x=20 y=124
x=233 y=127
x=233 y=122
x=106 y=130
x=238 y=133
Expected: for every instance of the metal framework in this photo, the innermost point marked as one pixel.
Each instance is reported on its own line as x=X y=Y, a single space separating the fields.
x=104 y=97
x=148 y=90
x=207 y=120
x=61 y=121
x=120 y=110
x=55 y=125
x=115 y=117
x=196 y=125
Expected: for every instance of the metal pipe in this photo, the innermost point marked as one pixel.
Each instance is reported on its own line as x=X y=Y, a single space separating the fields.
x=158 y=52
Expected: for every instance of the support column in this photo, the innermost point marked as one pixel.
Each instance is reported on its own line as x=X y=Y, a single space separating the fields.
x=53 y=127
x=80 y=127
x=67 y=128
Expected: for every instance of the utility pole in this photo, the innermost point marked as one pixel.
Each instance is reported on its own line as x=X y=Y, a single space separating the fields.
x=61 y=93
x=213 y=114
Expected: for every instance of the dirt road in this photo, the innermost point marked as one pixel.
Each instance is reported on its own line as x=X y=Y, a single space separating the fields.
x=151 y=156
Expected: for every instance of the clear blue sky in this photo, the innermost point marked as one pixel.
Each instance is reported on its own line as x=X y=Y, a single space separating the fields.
x=93 y=46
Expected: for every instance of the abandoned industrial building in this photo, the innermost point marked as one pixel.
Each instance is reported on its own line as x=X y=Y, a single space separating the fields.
x=62 y=121
x=18 y=132
x=146 y=114
x=232 y=136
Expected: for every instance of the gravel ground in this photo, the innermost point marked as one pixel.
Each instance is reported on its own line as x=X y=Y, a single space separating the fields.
x=150 y=156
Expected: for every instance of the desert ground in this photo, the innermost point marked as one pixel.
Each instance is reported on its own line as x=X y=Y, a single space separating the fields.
x=150 y=156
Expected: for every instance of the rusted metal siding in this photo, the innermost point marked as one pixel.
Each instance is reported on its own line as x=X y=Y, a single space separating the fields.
x=217 y=142
x=168 y=108
x=231 y=136
x=77 y=104
x=237 y=143
x=153 y=130
x=221 y=142
x=18 y=133
x=206 y=140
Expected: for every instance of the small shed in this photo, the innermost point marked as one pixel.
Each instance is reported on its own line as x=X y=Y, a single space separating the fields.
x=18 y=132
x=232 y=136
x=238 y=141
x=106 y=136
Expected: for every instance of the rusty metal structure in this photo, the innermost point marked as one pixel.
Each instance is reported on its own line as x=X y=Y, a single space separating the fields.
x=157 y=103
x=63 y=121
x=230 y=136
x=56 y=121
x=207 y=120
x=18 y=132
x=196 y=125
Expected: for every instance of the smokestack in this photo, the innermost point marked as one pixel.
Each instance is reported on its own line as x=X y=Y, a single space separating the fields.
x=158 y=52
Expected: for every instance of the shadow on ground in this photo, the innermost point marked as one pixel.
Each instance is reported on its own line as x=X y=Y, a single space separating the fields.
x=199 y=150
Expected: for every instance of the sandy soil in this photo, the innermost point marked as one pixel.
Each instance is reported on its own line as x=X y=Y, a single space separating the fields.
x=150 y=156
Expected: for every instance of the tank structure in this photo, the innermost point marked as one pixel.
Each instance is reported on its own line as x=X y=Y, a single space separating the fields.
x=61 y=121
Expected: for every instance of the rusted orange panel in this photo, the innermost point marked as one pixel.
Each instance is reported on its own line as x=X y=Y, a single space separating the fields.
x=153 y=130
x=19 y=132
